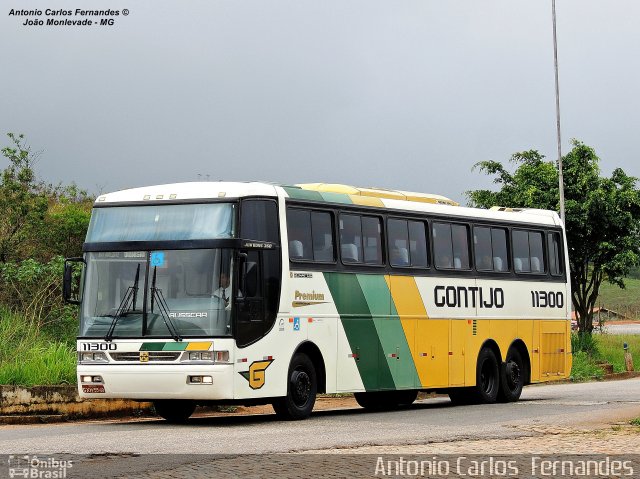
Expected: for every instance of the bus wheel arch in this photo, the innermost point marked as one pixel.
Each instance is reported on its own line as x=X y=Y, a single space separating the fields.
x=302 y=383
x=314 y=354
x=526 y=358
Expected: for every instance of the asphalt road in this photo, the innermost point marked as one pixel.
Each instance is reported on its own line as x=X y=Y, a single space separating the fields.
x=426 y=421
x=630 y=328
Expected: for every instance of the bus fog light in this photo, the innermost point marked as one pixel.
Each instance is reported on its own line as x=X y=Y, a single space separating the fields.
x=200 y=380
x=97 y=379
x=221 y=356
x=86 y=379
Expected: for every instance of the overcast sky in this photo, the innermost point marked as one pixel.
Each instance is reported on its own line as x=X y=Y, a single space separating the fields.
x=396 y=93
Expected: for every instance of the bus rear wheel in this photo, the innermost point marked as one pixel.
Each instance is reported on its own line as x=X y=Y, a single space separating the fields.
x=487 y=378
x=302 y=387
x=512 y=377
x=174 y=410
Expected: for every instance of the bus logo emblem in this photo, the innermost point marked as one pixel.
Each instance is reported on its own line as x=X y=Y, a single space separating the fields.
x=256 y=374
x=144 y=356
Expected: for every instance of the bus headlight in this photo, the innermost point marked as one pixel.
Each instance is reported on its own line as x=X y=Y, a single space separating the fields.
x=85 y=357
x=199 y=356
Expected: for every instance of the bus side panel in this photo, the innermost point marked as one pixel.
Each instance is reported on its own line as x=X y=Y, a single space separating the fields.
x=457 y=339
x=432 y=347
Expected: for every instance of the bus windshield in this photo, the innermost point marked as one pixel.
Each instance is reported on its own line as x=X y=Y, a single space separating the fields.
x=170 y=293
x=162 y=222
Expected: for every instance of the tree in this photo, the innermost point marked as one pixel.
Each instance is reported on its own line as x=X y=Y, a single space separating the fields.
x=602 y=215
x=23 y=204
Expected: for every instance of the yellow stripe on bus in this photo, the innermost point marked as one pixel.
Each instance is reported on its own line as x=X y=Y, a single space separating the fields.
x=193 y=346
x=410 y=308
x=366 y=201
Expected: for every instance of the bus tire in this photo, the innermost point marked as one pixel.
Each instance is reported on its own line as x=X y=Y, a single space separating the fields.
x=302 y=387
x=487 y=378
x=512 y=376
x=174 y=410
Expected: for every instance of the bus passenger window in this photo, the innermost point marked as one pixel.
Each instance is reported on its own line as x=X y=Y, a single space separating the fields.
x=499 y=249
x=482 y=248
x=442 y=246
x=553 y=248
x=398 y=242
x=460 y=238
x=528 y=254
x=299 y=231
x=350 y=239
x=322 y=232
x=372 y=238
x=418 y=244
x=490 y=247
x=536 y=252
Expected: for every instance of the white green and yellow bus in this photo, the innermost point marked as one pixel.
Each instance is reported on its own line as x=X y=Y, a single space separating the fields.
x=252 y=293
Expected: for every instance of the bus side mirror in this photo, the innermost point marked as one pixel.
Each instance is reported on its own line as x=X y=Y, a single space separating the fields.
x=70 y=294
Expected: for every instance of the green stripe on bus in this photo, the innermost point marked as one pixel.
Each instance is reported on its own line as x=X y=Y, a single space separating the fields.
x=336 y=197
x=152 y=346
x=360 y=330
x=300 y=194
x=175 y=346
x=395 y=348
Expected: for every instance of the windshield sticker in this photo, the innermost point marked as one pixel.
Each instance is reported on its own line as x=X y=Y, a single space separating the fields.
x=256 y=374
x=157 y=259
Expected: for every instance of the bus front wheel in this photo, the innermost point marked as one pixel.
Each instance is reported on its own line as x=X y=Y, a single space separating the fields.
x=302 y=387
x=174 y=410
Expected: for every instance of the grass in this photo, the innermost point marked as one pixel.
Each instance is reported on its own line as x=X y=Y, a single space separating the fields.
x=625 y=301
x=610 y=348
x=602 y=348
x=635 y=422
x=30 y=356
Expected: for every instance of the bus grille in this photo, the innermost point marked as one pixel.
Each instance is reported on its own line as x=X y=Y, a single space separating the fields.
x=154 y=356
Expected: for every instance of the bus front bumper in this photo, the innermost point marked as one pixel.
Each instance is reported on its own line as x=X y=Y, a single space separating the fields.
x=155 y=381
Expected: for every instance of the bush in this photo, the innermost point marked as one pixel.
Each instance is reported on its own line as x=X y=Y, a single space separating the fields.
x=585 y=343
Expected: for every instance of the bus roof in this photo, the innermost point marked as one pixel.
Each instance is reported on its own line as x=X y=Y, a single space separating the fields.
x=328 y=193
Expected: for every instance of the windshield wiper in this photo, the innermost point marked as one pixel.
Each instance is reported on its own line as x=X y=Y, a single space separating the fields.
x=130 y=296
x=156 y=294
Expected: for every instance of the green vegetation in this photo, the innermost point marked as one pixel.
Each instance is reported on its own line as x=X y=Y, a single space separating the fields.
x=39 y=225
x=625 y=301
x=635 y=422
x=602 y=216
x=30 y=356
x=591 y=350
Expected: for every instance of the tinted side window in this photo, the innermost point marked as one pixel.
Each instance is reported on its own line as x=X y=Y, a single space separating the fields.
x=442 y=245
x=555 y=258
x=372 y=239
x=299 y=231
x=322 y=233
x=528 y=252
x=499 y=249
x=398 y=243
x=259 y=220
x=490 y=246
x=536 y=252
x=460 y=238
x=482 y=248
x=521 y=251
x=350 y=239
x=418 y=244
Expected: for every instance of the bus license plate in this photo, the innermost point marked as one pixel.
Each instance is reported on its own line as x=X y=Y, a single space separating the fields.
x=92 y=389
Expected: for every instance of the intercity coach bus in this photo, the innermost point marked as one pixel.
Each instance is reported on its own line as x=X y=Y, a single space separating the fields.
x=252 y=293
